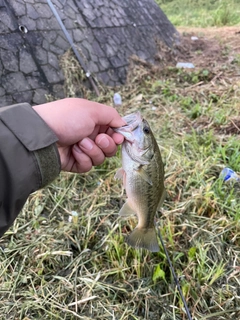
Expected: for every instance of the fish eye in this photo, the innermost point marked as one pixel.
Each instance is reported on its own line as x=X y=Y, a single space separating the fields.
x=146 y=130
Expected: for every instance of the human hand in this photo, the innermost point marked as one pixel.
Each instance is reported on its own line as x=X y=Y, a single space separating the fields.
x=84 y=131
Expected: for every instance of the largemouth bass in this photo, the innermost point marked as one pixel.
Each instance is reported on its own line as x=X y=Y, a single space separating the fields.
x=143 y=178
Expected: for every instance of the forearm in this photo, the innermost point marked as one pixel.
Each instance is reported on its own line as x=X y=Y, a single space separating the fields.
x=29 y=159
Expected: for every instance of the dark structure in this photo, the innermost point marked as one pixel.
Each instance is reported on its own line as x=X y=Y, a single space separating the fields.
x=106 y=32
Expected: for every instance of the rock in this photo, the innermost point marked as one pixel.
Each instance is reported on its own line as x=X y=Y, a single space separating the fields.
x=105 y=32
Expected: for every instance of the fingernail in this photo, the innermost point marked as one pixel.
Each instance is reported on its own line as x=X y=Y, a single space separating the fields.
x=86 y=144
x=103 y=143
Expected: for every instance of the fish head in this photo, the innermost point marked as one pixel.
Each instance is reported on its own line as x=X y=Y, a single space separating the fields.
x=143 y=135
x=138 y=136
x=132 y=122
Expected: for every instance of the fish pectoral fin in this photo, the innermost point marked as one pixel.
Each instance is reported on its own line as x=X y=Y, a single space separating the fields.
x=144 y=238
x=119 y=174
x=144 y=175
x=126 y=210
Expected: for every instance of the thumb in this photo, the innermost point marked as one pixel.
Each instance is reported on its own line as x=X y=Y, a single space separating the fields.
x=105 y=115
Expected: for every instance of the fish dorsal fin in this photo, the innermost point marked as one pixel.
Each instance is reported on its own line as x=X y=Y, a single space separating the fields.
x=162 y=199
x=144 y=175
x=126 y=210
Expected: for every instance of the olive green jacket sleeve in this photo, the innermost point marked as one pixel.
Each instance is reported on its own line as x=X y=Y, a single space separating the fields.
x=29 y=159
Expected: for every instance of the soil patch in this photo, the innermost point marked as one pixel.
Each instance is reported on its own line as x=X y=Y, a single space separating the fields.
x=204 y=48
x=208 y=47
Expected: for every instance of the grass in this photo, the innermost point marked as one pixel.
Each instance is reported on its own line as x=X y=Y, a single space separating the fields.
x=201 y=13
x=65 y=256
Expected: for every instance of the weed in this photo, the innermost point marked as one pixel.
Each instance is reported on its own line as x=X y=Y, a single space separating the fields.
x=202 y=13
x=224 y=14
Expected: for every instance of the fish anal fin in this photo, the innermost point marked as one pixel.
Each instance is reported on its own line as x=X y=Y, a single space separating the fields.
x=126 y=210
x=144 y=238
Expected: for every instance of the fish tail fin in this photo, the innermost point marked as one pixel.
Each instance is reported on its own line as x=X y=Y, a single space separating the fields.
x=144 y=238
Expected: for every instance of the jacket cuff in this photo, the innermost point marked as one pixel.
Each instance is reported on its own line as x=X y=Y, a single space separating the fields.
x=49 y=163
x=35 y=135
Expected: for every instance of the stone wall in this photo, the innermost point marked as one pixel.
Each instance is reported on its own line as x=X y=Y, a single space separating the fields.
x=106 y=32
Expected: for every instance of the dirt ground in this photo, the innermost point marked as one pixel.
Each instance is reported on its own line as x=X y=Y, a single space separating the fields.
x=213 y=46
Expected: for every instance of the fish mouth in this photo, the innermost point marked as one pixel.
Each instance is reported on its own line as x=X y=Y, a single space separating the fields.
x=133 y=120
